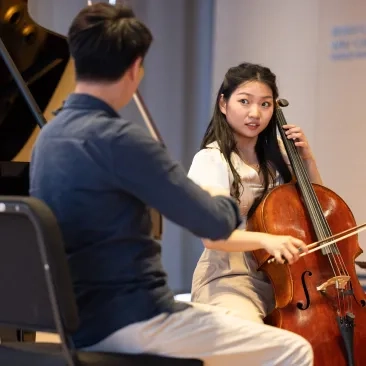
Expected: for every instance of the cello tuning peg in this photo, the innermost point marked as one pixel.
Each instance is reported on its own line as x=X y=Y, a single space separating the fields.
x=282 y=102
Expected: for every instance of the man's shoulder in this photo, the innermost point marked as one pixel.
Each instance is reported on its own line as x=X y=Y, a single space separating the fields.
x=124 y=132
x=114 y=134
x=78 y=123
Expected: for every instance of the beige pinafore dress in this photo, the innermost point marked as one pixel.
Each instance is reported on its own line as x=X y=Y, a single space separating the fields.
x=225 y=279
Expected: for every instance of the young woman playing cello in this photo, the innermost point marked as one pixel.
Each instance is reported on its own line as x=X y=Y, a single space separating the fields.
x=242 y=155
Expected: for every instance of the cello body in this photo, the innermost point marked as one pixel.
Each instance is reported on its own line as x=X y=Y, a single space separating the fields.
x=319 y=297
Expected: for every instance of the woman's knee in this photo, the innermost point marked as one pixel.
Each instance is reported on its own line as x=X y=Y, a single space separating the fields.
x=303 y=352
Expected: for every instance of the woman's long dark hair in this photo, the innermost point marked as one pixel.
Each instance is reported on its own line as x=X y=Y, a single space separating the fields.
x=267 y=149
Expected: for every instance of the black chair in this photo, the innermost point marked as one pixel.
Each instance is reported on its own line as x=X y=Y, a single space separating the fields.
x=36 y=292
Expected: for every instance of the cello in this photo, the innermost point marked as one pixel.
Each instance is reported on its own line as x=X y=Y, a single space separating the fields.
x=319 y=297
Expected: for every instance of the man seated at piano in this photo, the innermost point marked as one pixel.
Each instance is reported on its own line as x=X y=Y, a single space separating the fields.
x=99 y=173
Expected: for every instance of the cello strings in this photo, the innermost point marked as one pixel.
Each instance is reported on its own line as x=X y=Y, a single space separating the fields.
x=312 y=203
x=338 y=259
x=297 y=164
x=324 y=229
x=320 y=224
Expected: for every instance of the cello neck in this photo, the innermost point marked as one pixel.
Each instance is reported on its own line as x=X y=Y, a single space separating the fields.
x=303 y=182
x=292 y=152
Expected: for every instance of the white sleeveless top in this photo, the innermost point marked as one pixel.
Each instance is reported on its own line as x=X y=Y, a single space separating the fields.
x=235 y=271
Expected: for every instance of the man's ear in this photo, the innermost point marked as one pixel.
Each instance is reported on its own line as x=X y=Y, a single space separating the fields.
x=136 y=70
x=222 y=104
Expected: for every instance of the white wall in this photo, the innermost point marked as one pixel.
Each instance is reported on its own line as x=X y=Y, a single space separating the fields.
x=55 y=15
x=326 y=97
x=340 y=142
x=268 y=32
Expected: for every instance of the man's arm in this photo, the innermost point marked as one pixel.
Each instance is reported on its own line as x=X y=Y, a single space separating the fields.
x=145 y=169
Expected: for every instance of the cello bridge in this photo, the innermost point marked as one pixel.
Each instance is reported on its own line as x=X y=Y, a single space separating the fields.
x=340 y=282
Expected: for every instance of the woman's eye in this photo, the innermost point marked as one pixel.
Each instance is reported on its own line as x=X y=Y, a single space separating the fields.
x=266 y=104
x=244 y=101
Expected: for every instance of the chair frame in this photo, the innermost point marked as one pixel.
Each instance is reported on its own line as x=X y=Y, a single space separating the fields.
x=22 y=206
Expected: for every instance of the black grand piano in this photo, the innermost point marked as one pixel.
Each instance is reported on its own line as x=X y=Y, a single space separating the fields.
x=33 y=61
x=35 y=76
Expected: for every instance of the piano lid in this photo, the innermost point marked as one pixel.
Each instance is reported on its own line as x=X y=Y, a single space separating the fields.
x=41 y=57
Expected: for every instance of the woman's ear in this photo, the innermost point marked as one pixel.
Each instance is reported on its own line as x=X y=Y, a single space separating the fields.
x=222 y=104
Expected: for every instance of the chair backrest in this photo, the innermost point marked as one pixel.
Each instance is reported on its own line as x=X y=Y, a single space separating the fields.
x=35 y=283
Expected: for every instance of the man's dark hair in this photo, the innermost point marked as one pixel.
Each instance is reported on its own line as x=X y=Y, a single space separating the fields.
x=105 y=40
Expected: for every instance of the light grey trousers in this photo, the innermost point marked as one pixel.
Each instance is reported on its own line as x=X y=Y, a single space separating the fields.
x=213 y=334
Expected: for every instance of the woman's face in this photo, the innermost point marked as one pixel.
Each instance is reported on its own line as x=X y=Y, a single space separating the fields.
x=249 y=109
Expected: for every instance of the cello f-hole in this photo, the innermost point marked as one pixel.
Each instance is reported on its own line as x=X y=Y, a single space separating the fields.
x=300 y=304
